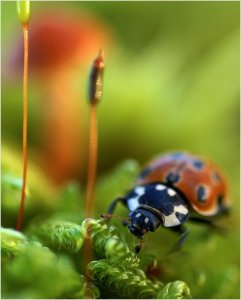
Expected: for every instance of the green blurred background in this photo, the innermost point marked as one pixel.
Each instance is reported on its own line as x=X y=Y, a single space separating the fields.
x=171 y=82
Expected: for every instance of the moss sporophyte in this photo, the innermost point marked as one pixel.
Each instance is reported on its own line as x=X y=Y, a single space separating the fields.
x=23 y=10
x=94 y=98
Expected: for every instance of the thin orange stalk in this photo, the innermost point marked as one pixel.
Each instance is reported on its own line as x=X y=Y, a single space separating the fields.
x=92 y=163
x=91 y=180
x=25 y=123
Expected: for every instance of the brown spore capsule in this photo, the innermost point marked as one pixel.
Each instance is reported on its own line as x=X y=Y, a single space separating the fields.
x=96 y=79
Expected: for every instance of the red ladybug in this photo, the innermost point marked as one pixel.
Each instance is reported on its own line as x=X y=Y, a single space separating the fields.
x=171 y=189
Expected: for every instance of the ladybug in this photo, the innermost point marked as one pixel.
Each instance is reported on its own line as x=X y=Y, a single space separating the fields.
x=171 y=189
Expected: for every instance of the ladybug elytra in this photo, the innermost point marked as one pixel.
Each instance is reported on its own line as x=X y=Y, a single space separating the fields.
x=172 y=189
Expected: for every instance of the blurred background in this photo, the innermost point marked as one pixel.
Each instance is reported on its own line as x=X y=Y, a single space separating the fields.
x=171 y=82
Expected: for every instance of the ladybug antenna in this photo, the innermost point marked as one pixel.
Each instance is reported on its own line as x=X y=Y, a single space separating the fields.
x=125 y=221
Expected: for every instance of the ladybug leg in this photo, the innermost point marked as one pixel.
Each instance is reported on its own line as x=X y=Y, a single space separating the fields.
x=114 y=203
x=183 y=232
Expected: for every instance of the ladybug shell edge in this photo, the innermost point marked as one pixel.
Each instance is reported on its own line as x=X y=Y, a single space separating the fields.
x=199 y=180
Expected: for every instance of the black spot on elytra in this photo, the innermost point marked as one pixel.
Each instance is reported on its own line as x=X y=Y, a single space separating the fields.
x=201 y=193
x=172 y=177
x=145 y=172
x=198 y=164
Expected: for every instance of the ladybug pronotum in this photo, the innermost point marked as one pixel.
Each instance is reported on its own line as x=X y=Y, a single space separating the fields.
x=172 y=189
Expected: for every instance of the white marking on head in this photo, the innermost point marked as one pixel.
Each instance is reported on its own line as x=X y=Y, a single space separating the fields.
x=146 y=220
x=160 y=187
x=139 y=190
x=138 y=215
x=172 y=220
x=171 y=192
x=133 y=203
x=181 y=209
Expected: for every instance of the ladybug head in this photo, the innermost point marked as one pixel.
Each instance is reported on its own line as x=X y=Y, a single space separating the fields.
x=143 y=221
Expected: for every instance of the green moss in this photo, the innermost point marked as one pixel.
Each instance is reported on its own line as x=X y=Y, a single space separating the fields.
x=175 y=290
x=39 y=273
x=58 y=235
x=12 y=243
x=122 y=281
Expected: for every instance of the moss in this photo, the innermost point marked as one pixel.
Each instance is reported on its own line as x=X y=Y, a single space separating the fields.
x=115 y=269
x=39 y=273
